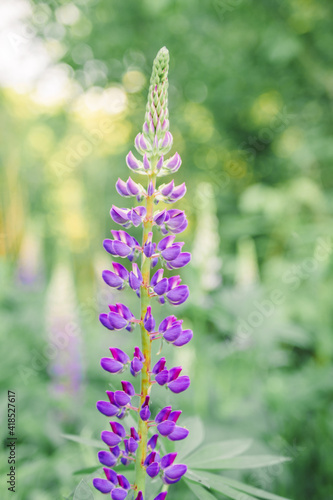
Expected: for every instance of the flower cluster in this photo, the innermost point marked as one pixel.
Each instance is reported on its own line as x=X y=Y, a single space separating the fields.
x=125 y=446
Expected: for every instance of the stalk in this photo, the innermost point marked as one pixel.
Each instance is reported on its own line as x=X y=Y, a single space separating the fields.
x=140 y=473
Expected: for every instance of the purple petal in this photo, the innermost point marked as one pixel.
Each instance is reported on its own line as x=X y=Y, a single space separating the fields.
x=166 y=242
x=178 y=192
x=111 y=365
x=117 y=321
x=132 y=187
x=145 y=413
x=178 y=433
x=124 y=311
x=162 y=377
x=178 y=295
x=174 y=162
x=165 y=428
x=102 y=485
x=105 y=322
x=159 y=366
x=174 y=415
x=174 y=373
x=110 y=438
x=156 y=277
x=107 y=458
x=138 y=353
x=118 y=429
x=163 y=414
x=121 y=398
x=183 y=338
x=166 y=323
x=128 y=387
x=123 y=482
x=122 y=188
x=161 y=287
x=148 y=249
x=180 y=384
x=152 y=442
x=175 y=471
x=171 y=253
x=108 y=245
x=159 y=164
x=146 y=164
x=173 y=333
x=132 y=162
x=181 y=261
x=111 y=475
x=118 y=494
x=153 y=469
x=119 y=215
x=132 y=445
x=120 y=248
x=136 y=365
x=160 y=217
x=168 y=460
x=119 y=355
x=134 y=282
x=112 y=279
x=150 y=189
x=167 y=189
x=107 y=408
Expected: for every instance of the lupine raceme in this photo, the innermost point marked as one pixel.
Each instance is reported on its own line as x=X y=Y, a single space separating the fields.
x=141 y=445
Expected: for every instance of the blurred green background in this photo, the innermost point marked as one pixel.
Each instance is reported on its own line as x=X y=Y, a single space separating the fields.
x=251 y=94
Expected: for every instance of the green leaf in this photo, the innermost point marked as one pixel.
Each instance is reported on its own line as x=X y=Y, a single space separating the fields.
x=210 y=453
x=249 y=489
x=229 y=486
x=87 y=442
x=200 y=492
x=87 y=470
x=197 y=434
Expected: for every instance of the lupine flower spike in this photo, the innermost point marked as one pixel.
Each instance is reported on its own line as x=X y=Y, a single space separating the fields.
x=123 y=445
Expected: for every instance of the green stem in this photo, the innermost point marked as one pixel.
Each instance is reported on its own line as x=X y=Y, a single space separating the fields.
x=140 y=473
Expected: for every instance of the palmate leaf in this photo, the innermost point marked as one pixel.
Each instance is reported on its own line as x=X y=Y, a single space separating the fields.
x=229 y=487
x=210 y=453
x=87 y=442
x=197 y=433
x=200 y=492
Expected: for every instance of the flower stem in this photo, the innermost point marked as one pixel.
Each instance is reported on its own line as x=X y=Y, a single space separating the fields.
x=140 y=473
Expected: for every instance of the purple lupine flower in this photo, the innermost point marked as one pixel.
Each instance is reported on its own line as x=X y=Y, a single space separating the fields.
x=123 y=445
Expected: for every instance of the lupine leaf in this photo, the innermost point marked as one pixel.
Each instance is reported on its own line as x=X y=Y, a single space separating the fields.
x=200 y=492
x=245 y=462
x=217 y=451
x=248 y=489
x=87 y=470
x=87 y=442
x=220 y=483
x=197 y=434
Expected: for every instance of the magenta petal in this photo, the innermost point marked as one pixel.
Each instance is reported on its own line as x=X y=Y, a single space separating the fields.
x=118 y=429
x=163 y=414
x=161 y=496
x=180 y=384
x=119 y=355
x=178 y=433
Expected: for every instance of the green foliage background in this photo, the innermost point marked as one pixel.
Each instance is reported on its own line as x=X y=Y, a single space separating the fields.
x=251 y=114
